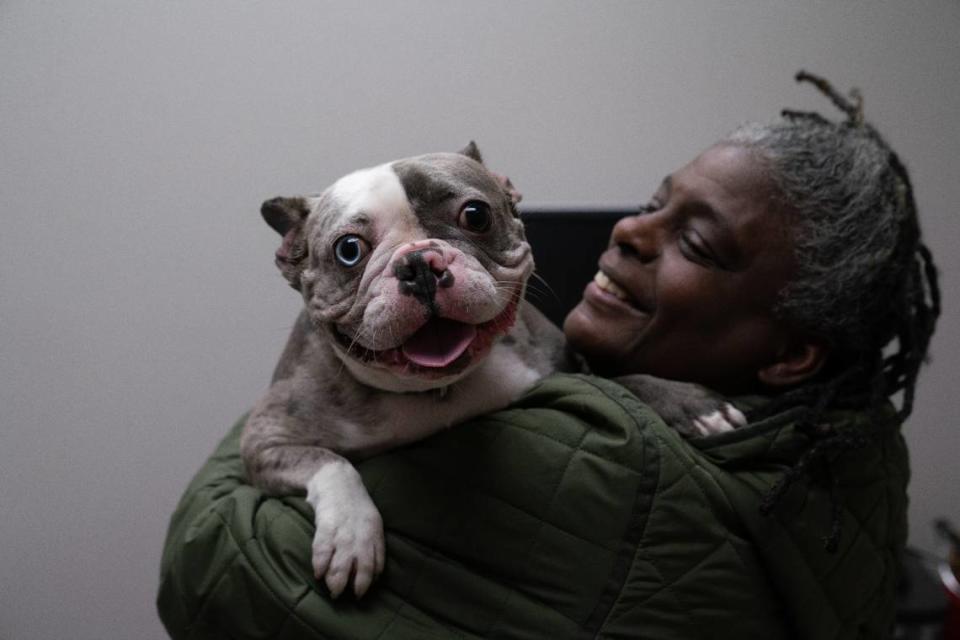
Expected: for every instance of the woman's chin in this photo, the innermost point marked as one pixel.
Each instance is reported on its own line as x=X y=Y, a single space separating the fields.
x=577 y=325
x=600 y=341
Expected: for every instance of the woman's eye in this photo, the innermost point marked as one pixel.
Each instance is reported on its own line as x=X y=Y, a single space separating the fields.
x=693 y=247
x=475 y=216
x=350 y=249
x=650 y=207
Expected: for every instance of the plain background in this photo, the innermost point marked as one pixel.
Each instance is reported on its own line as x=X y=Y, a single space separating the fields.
x=140 y=312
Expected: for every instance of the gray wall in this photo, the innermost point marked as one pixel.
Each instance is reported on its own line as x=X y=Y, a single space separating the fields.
x=140 y=313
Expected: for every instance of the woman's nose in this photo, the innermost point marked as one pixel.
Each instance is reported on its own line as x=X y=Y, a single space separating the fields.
x=638 y=235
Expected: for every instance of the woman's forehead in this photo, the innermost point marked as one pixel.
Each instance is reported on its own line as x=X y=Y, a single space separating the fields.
x=726 y=172
x=732 y=183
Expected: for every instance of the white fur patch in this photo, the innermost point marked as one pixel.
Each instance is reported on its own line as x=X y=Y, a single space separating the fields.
x=377 y=192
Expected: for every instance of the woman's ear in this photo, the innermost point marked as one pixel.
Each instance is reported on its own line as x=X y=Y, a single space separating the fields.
x=797 y=362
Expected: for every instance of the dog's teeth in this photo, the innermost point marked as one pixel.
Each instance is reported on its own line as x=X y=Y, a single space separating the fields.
x=608 y=285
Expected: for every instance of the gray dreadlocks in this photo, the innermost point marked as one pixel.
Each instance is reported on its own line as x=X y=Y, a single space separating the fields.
x=866 y=284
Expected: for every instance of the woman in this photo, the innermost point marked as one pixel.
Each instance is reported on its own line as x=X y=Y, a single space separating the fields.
x=783 y=267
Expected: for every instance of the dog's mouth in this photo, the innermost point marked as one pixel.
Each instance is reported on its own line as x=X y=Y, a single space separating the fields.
x=439 y=348
x=438 y=343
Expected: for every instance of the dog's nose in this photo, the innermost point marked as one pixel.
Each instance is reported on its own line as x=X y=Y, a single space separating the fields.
x=420 y=272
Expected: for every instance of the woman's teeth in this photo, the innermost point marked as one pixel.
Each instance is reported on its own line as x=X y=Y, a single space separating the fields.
x=609 y=286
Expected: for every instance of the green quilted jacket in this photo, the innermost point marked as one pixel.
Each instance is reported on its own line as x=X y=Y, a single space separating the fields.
x=575 y=513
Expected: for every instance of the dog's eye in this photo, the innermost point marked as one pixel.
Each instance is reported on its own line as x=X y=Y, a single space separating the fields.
x=350 y=250
x=475 y=216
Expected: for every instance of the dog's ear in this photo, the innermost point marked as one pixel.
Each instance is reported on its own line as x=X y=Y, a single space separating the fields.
x=472 y=151
x=286 y=216
x=282 y=214
x=514 y=195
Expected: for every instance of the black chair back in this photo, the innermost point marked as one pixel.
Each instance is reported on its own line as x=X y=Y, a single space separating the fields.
x=566 y=246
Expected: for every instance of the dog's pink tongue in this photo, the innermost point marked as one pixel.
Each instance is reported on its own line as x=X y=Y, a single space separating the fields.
x=439 y=342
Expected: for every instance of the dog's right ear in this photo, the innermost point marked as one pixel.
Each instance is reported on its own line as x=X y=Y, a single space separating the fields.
x=284 y=213
x=286 y=216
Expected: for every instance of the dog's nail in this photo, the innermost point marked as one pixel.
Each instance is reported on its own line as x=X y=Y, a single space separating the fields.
x=714 y=422
x=734 y=416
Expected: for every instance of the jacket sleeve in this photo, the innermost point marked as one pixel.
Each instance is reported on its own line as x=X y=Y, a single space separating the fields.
x=574 y=513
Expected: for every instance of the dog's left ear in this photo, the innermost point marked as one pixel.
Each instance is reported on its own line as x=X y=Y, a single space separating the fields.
x=472 y=151
x=515 y=196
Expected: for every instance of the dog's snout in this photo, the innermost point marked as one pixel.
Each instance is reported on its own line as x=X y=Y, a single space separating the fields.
x=420 y=272
x=423 y=263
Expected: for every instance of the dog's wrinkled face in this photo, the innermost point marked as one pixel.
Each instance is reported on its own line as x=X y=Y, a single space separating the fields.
x=413 y=267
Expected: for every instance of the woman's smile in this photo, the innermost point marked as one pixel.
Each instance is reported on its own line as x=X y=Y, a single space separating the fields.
x=603 y=281
x=603 y=288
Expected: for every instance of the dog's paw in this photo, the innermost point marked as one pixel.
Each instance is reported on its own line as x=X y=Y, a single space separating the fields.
x=693 y=410
x=349 y=544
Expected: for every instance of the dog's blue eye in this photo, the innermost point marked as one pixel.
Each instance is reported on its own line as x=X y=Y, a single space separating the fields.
x=475 y=216
x=350 y=250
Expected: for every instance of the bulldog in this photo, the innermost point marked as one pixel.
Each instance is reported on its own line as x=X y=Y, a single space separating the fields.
x=413 y=276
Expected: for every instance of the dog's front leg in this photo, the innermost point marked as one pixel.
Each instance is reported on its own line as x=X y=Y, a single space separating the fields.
x=349 y=541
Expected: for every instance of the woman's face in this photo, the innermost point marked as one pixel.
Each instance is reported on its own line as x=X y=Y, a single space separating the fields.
x=685 y=289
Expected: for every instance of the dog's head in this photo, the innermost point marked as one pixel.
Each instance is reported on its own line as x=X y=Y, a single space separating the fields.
x=412 y=268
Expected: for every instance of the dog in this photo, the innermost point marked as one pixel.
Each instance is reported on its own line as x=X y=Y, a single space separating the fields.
x=413 y=276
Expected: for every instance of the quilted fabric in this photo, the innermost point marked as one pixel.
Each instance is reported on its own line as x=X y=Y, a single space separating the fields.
x=574 y=513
